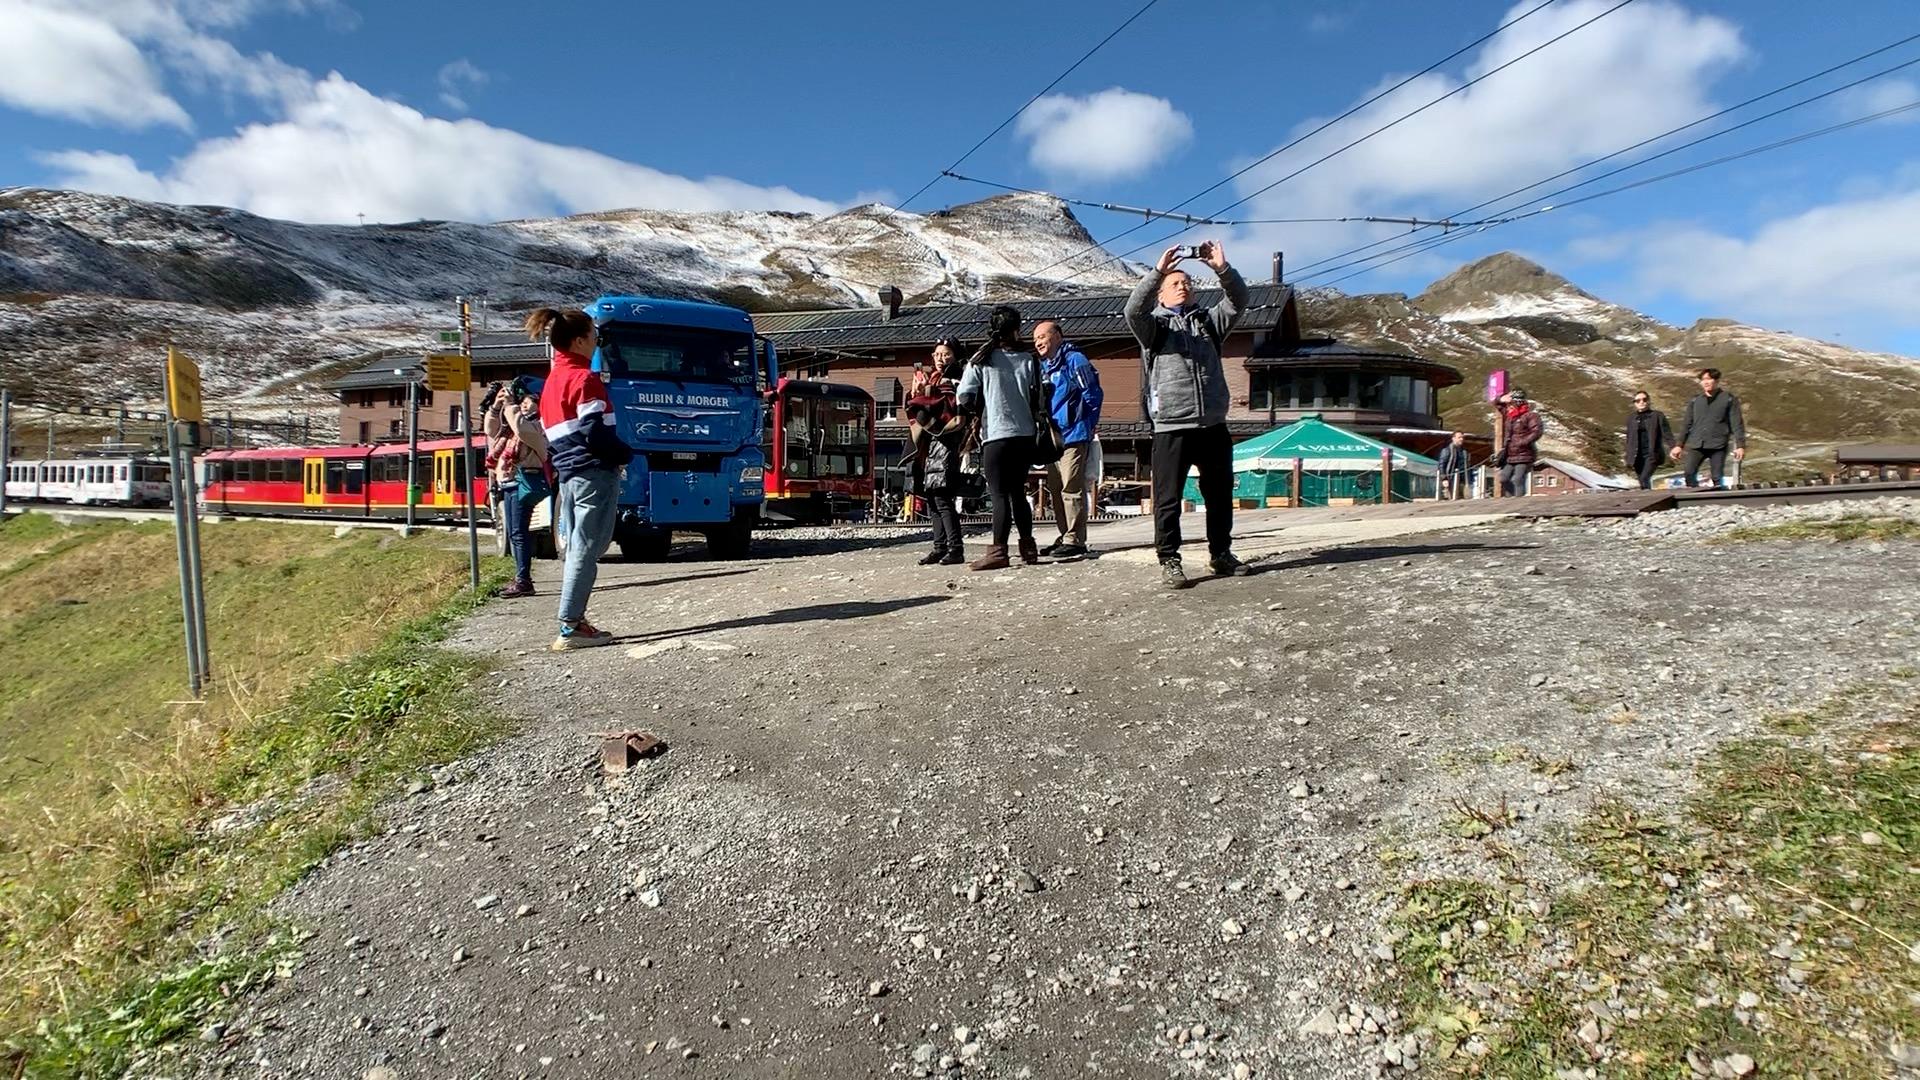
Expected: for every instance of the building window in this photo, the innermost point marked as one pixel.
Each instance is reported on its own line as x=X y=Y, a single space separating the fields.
x=393 y=428
x=453 y=418
x=887 y=394
x=366 y=431
x=396 y=397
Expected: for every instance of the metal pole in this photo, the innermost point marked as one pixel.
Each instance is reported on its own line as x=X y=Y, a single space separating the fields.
x=413 y=450
x=50 y=416
x=192 y=488
x=466 y=438
x=180 y=546
x=6 y=446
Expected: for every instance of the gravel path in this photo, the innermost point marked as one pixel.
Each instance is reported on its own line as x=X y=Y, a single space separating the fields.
x=1045 y=822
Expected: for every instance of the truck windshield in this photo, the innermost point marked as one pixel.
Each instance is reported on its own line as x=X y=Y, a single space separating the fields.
x=644 y=352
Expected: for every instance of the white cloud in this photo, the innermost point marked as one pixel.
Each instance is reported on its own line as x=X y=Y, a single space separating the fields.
x=1111 y=134
x=342 y=151
x=74 y=65
x=456 y=80
x=1858 y=258
x=1879 y=96
x=1630 y=75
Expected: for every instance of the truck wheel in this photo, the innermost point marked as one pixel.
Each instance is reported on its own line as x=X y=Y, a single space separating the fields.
x=644 y=545
x=734 y=540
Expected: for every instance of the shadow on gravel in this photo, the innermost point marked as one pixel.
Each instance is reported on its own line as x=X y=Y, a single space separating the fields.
x=852 y=609
x=671 y=580
x=1334 y=556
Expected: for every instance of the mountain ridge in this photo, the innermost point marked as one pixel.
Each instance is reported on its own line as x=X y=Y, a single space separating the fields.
x=94 y=287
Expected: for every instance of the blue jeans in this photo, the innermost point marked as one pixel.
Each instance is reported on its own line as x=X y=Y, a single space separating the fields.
x=516 y=505
x=591 y=502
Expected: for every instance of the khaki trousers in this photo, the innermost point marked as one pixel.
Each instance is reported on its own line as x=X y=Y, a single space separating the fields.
x=1067 y=493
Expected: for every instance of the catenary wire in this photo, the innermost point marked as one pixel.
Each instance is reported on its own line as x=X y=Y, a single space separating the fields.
x=1511 y=211
x=1434 y=242
x=1646 y=142
x=1152 y=213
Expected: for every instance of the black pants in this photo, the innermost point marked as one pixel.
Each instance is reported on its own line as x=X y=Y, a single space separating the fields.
x=1175 y=452
x=1645 y=471
x=946 y=521
x=1714 y=456
x=1006 y=461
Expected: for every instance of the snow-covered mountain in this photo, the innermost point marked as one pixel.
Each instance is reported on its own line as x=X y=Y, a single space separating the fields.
x=93 y=288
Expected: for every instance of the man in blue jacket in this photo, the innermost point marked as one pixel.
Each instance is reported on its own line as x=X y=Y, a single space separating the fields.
x=1076 y=408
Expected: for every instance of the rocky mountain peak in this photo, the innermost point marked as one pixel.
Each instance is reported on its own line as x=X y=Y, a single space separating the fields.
x=1479 y=284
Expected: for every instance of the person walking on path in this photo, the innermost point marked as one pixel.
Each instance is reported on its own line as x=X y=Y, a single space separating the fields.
x=939 y=434
x=1519 y=454
x=1074 y=386
x=1452 y=467
x=518 y=467
x=1711 y=425
x=1648 y=438
x=587 y=456
x=999 y=387
x=1186 y=399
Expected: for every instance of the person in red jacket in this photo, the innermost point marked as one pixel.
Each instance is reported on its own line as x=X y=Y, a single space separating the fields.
x=587 y=455
x=1518 y=456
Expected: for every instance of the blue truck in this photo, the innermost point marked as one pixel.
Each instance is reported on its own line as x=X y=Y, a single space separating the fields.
x=687 y=382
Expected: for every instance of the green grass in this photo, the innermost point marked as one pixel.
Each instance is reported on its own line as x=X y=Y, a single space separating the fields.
x=1678 y=913
x=142 y=837
x=1837 y=530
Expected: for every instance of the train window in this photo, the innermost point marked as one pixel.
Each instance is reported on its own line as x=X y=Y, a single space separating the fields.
x=356 y=474
x=336 y=477
x=123 y=472
x=276 y=471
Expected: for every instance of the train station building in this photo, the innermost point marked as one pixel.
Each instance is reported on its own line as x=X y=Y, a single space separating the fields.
x=1276 y=374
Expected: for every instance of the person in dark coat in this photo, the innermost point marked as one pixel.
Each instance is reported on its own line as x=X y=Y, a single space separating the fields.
x=1519 y=453
x=1452 y=467
x=1710 y=427
x=939 y=434
x=1648 y=438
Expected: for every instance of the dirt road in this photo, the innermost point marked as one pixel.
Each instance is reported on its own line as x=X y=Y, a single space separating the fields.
x=1045 y=822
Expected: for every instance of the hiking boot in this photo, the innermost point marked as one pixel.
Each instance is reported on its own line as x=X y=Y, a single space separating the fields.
x=580 y=635
x=1225 y=565
x=932 y=557
x=1172 y=576
x=1069 y=551
x=994 y=559
x=516 y=588
x=954 y=557
x=1029 y=551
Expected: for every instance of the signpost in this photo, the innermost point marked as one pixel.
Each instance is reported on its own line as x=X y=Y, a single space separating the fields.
x=1497 y=389
x=184 y=415
x=454 y=371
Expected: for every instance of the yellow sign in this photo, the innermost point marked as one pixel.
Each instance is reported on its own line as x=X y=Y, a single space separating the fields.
x=183 y=386
x=448 y=371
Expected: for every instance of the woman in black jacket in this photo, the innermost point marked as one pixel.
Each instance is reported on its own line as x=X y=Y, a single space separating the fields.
x=939 y=435
x=1648 y=438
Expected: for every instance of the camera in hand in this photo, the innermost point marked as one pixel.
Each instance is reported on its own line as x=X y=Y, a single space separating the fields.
x=1195 y=251
x=493 y=391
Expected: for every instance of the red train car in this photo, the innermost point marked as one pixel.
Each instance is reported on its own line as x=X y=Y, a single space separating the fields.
x=819 y=449
x=345 y=481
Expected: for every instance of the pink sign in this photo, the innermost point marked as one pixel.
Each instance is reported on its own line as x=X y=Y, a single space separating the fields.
x=1496 y=384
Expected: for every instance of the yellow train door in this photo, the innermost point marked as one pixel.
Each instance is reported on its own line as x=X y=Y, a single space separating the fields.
x=315 y=490
x=443 y=483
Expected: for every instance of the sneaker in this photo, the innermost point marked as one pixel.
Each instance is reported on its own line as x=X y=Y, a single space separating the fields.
x=932 y=557
x=954 y=558
x=1225 y=565
x=516 y=588
x=580 y=635
x=1171 y=574
x=1054 y=548
x=1068 y=551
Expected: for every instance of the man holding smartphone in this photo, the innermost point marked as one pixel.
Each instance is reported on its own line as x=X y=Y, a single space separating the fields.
x=1185 y=391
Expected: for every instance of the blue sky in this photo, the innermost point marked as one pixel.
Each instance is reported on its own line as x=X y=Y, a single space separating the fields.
x=322 y=110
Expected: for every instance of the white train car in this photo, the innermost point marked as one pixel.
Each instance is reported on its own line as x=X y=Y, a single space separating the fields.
x=103 y=481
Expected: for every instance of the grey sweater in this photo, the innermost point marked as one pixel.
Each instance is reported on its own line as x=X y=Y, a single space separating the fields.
x=1000 y=390
x=1185 y=383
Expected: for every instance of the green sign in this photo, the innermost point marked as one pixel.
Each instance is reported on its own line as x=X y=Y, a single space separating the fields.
x=450 y=337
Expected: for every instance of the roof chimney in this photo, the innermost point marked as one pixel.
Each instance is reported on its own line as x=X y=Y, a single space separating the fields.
x=890 y=302
x=1279 y=268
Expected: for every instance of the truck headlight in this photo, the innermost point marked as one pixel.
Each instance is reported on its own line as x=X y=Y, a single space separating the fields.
x=752 y=474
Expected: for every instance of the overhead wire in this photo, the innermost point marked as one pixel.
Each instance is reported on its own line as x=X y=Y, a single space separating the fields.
x=1717 y=114
x=1192 y=220
x=1429 y=69
x=1476 y=80
x=1433 y=242
x=1011 y=117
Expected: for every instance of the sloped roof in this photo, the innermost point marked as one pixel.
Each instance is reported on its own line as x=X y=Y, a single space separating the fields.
x=1586 y=476
x=1082 y=319
x=1322 y=446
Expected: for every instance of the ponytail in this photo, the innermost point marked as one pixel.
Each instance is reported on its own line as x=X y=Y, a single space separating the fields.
x=560 y=328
